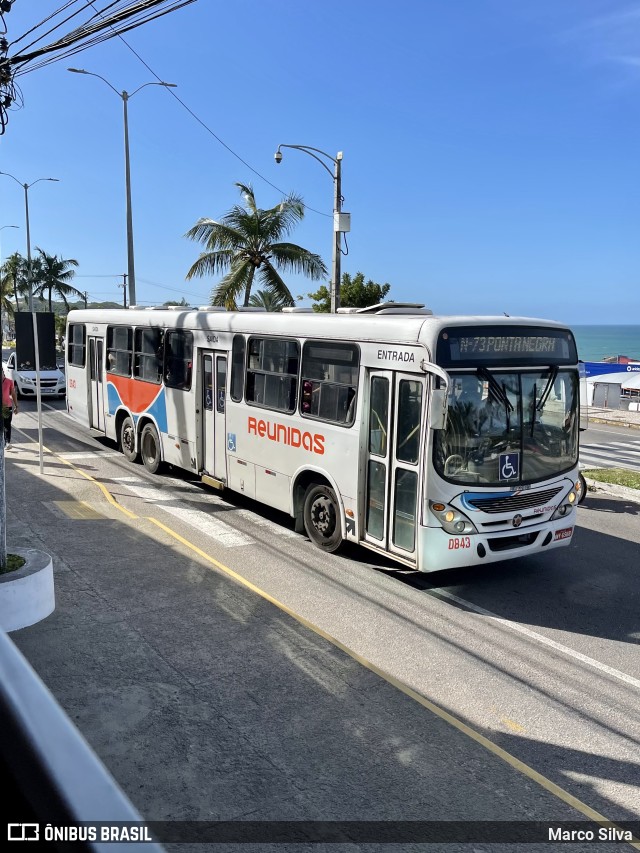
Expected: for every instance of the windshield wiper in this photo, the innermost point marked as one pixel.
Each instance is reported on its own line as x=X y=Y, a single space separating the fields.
x=498 y=391
x=539 y=406
x=547 y=388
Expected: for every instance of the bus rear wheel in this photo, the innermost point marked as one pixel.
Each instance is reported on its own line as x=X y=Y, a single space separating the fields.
x=150 y=449
x=128 y=440
x=322 y=518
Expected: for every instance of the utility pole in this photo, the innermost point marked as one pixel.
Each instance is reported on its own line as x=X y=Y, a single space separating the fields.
x=124 y=289
x=85 y=295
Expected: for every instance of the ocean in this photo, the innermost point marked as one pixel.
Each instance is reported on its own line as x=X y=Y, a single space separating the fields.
x=596 y=342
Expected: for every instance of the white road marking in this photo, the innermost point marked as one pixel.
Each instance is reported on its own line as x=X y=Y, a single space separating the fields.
x=206 y=523
x=252 y=517
x=540 y=638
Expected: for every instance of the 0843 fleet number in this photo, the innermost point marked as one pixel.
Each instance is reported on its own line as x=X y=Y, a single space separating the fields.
x=457 y=542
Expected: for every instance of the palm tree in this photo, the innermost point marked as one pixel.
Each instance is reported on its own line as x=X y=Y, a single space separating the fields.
x=13 y=276
x=54 y=275
x=267 y=299
x=246 y=241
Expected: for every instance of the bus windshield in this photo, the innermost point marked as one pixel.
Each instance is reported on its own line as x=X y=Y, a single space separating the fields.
x=529 y=415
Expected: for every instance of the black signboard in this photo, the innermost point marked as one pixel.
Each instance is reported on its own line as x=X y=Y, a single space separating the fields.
x=25 y=353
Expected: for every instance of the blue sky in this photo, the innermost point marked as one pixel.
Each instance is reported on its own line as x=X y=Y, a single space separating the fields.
x=491 y=148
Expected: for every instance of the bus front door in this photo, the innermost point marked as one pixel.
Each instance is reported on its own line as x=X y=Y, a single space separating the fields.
x=96 y=383
x=394 y=442
x=214 y=433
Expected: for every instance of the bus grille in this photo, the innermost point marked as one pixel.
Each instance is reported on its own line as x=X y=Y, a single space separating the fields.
x=513 y=503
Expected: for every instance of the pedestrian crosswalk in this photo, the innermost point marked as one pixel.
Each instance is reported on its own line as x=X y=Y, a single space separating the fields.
x=613 y=454
x=182 y=500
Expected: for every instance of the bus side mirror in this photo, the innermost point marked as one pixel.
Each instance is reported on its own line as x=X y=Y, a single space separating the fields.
x=439 y=408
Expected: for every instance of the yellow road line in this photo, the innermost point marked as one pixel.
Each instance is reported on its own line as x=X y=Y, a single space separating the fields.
x=479 y=738
x=492 y=747
x=107 y=494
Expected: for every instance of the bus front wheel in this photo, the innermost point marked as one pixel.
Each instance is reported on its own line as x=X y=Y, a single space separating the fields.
x=322 y=518
x=150 y=449
x=128 y=440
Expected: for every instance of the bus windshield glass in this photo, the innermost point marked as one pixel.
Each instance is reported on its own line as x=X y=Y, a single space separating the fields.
x=525 y=420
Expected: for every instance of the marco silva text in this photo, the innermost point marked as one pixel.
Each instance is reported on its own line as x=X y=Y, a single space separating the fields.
x=604 y=833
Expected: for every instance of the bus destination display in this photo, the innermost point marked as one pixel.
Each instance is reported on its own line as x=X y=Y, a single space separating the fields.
x=521 y=345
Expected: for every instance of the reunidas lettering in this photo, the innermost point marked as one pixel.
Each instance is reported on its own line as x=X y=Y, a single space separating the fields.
x=313 y=442
x=394 y=355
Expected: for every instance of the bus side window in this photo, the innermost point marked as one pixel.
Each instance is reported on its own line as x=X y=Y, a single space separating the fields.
x=330 y=381
x=178 y=359
x=76 y=343
x=119 y=350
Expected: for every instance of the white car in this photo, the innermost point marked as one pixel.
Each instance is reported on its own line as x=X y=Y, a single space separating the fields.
x=52 y=380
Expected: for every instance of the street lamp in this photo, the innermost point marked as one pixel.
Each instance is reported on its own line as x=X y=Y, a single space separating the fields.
x=26 y=188
x=36 y=344
x=131 y=275
x=341 y=221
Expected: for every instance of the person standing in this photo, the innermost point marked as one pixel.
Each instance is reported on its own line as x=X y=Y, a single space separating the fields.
x=9 y=407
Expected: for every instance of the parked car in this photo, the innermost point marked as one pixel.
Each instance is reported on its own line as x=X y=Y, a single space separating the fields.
x=52 y=380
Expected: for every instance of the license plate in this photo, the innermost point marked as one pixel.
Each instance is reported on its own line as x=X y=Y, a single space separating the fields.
x=565 y=533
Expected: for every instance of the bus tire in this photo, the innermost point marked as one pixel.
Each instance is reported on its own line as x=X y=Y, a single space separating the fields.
x=322 y=517
x=128 y=440
x=583 y=490
x=150 y=449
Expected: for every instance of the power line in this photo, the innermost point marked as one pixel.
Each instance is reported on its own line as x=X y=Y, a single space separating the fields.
x=208 y=129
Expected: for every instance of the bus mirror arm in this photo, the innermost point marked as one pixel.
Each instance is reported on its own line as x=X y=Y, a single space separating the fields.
x=439 y=396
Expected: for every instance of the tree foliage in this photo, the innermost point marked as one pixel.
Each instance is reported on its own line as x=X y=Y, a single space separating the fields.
x=269 y=300
x=354 y=293
x=54 y=275
x=246 y=244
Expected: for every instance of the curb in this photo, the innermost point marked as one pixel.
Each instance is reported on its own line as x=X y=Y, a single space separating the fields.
x=625 y=424
x=624 y=492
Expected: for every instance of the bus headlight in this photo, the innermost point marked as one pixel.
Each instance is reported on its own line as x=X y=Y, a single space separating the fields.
x=451 y=519
x=565 y=508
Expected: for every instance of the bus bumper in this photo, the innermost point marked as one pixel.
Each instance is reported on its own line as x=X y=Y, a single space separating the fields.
x=440 y=550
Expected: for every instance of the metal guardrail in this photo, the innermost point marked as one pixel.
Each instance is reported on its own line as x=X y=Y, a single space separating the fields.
x=52 y=778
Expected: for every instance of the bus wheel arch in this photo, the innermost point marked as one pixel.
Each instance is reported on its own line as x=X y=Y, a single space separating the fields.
x=150 y=447
x=126 y=432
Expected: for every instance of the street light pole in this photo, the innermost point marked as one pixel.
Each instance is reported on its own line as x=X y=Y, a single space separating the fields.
x=36 y=346
x=340 y=225
x=127 y=178
x=125 y=96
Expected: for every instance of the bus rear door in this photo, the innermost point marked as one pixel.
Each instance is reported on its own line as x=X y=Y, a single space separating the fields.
x=394 y=440
x=214 y=433
x=96 y=383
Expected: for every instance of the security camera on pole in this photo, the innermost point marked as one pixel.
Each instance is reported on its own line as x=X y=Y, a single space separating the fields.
x=341 y=221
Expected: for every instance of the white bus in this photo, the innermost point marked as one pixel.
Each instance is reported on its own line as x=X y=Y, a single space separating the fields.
x=438 y=441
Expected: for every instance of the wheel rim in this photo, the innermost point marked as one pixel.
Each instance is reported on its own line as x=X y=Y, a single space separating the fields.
x=127 y=439
x=323 y=517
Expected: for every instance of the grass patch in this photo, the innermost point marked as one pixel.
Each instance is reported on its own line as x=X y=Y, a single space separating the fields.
x=14 y=562
x=617 y=476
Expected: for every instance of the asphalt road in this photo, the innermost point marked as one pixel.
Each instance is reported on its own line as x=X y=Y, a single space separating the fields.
x=539 y=655
x=610 y=446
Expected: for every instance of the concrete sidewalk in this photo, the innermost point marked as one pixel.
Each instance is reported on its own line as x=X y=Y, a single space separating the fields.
x=619 y=417
x=207 y=702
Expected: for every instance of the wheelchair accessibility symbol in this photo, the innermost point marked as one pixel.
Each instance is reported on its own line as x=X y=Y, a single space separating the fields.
x=231 y=442
x=509 y=466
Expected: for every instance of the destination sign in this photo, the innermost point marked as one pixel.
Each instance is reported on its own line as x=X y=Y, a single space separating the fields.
x=512 y=344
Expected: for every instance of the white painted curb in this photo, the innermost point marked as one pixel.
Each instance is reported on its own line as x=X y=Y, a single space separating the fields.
x=27 y=595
